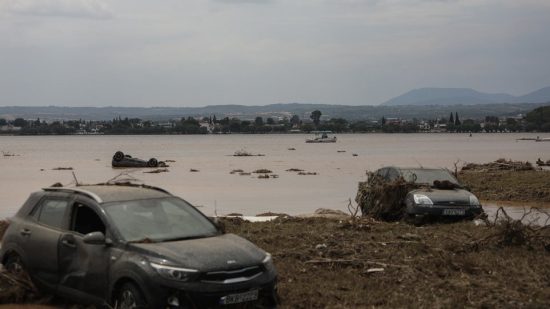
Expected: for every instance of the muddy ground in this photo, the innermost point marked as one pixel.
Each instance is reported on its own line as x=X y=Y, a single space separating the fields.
x=337 y=264
x=344 y=263
x=506 y=185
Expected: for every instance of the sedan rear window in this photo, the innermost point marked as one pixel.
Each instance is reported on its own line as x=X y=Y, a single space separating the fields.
x=161 y=219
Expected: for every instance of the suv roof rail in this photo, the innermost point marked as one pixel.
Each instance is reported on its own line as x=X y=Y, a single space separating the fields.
x=89 y=194
x=131 y=184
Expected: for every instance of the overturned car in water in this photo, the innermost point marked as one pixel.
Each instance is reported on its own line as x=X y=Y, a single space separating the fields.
x=416 y=194
x=134 y=246
x=124 y=160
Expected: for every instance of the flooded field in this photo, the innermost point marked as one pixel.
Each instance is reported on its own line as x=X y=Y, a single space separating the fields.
x=338 y=167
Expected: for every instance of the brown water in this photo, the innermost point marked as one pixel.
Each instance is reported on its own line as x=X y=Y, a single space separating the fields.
x=216 y=190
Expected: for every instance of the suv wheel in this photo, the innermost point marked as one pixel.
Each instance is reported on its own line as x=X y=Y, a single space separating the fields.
x=130 y=297
x=14 y=264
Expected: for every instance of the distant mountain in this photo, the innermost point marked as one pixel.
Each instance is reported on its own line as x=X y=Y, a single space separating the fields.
x=464 y=96
x=539 y=96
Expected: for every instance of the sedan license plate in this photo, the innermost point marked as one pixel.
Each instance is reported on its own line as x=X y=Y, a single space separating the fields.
x=239 y=298
x=454 y=212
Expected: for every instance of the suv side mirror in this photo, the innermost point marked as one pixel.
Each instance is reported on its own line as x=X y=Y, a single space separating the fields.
x=219 y=224
x=94 y=238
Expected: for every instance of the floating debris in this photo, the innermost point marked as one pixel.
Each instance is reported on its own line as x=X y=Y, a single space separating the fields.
x=262 y=171
x=244 y=153
x=263 y=176
x=234 y=214
x=169 y=160
x=307 y=173
x=294 y=170
x=272 y=214
x=245 y=174
x=62 y=168
x=340 y=151
x=355 y=155
x=236 y=171
x=193 y=170
x=291 y=148
x=158 y=170
x=9 y=154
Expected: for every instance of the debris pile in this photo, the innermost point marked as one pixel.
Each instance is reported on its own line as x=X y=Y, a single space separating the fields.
x=499 y=165
x=383 y=200
x=509 y=232
x=18 y=288
x=503 y=180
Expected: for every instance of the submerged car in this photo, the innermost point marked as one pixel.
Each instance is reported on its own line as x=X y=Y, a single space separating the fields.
x=438 y=194
x=134 y=246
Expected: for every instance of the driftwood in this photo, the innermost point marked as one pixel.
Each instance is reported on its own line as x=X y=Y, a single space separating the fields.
x=509 y=232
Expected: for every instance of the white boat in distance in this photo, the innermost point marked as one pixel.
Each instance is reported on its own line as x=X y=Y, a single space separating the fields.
x=322 y=137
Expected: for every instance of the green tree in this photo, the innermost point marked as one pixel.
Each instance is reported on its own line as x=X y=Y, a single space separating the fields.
x=457 y=121
x=316 y=117
x=538 y=118
x=295 y=120
x=451 y=118
x=259 y=121
x=270 y=121
x=3 y=122
x=20 y=122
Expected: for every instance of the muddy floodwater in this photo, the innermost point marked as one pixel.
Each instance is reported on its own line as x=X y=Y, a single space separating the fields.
x=338 y=166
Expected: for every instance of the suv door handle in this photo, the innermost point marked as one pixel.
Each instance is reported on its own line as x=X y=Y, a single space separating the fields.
x=25 y=232
x=68 y=243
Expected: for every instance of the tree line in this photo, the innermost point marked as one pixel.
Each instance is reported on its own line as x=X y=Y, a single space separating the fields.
x=536 y=120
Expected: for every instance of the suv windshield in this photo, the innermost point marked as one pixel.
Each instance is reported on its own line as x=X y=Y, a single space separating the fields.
x=427 y=176
x=160 y=219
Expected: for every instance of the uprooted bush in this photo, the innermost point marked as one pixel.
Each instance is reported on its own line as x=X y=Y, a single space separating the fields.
x=383 y=200
x=522 y=232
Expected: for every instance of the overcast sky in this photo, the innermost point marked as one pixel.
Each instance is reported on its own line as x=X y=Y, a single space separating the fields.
x=257 y=52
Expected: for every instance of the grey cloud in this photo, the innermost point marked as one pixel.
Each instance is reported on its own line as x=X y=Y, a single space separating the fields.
x=94 y=9
x=244 y=1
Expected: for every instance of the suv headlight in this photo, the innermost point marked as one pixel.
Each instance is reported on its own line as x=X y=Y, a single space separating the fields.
x=174 y=273
x=474 y=201
x=268 y=262
x=421 y=199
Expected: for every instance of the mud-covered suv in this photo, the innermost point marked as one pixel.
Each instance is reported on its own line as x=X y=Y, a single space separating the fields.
x=130 y=246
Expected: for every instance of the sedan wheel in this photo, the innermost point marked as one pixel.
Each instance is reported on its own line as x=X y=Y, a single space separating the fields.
x=129 y=297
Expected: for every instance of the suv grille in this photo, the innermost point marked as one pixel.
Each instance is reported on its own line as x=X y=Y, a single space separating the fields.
x=232 y=276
